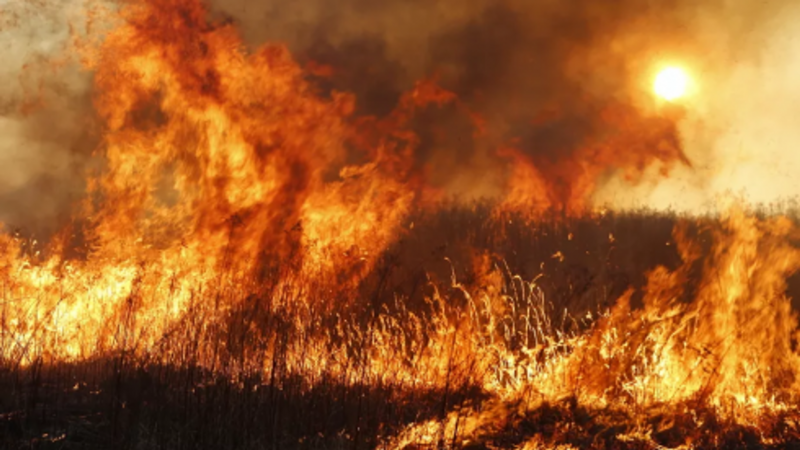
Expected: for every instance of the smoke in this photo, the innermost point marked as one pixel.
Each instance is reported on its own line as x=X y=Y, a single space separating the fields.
x=558 y=81
x=543 y=73
x=45 y=116
x=740 y=130
x=565 y=85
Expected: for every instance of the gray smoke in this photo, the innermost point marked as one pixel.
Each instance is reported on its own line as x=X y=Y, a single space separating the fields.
x=46 y=131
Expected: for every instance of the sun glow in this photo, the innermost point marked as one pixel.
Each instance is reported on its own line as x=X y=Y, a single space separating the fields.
x=671 y=83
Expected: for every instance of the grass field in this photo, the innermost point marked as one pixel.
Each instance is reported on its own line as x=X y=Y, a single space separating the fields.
x=475 y=330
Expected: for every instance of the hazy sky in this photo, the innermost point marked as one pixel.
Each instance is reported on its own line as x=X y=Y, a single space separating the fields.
x=742 y=127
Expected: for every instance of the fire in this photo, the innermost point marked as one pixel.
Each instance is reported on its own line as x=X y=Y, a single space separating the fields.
x=731 y=349
x=255 y=234
x=671 y=83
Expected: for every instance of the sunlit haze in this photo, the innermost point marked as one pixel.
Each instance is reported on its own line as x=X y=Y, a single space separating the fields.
x=671 y=83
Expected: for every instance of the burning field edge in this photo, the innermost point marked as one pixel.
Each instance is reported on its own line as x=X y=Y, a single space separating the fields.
x=560 y=342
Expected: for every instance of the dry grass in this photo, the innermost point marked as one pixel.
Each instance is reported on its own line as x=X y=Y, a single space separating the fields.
x=313 y=365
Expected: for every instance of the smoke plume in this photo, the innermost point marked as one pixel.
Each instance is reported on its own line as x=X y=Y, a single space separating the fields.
x=558 y=82
x=554 y=104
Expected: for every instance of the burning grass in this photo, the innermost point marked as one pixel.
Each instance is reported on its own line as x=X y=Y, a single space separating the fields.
x=473 y=357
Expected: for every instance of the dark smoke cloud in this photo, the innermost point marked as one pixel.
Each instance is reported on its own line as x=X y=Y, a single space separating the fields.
x=542 y=72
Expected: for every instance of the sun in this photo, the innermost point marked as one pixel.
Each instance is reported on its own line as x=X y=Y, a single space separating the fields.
x=671 y=83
